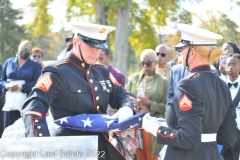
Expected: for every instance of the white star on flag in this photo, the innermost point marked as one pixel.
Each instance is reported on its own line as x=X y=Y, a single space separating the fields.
x=87 y=122
x=115 y=130
x=132 y=126
x=105 y=116
x=109 y=122
x=63 y=120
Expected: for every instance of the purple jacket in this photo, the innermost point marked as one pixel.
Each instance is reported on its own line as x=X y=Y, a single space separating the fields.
x=118 y=75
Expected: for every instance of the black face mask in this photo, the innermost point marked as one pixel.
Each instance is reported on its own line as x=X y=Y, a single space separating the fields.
x=24 y=54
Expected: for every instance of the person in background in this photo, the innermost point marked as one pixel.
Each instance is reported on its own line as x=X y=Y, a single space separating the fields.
x=78 y=85
x=163 y=55
x=150 y=89
x=69 y=46
x=228 y=48
x=177 y=59
x=1 y=106
x=105 y=59
x=37 y=55
x=201 y=113
x=233 y=82
x=17 y=68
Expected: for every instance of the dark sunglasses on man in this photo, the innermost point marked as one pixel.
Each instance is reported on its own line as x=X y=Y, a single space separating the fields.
x=148 y=63
x=162 y=54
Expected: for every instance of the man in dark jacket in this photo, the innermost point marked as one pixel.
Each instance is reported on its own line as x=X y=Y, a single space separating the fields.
x=1 y=106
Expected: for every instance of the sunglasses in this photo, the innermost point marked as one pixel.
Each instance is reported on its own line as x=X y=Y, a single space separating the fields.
x=162 y=54
x=148 y=63
x=36 y=56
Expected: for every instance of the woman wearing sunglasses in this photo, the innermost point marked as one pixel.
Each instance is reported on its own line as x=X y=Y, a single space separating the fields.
x=150 y=88
x=37 y=55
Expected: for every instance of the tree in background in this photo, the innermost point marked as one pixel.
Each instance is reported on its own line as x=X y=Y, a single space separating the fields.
x=42 y=18
x=140 y=24
x=136 y=22
x=11 y=33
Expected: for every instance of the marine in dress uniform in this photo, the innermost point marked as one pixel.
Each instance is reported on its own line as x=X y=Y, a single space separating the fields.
x=201 y=113
x=76 y=85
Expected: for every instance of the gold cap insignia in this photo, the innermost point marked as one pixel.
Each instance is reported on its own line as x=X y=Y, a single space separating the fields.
x=102 y=30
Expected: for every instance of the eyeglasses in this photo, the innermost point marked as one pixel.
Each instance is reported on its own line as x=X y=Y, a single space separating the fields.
x=36 y=56
x=162 y=54
x=148 y=63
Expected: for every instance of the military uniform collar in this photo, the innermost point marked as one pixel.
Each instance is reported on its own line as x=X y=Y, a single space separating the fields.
x=201 y=68
x=78 y=62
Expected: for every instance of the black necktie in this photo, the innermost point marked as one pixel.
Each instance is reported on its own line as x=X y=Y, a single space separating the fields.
x=234 y=84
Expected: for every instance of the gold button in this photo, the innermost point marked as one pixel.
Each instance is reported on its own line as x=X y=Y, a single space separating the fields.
x=83 y=64
x=171 y=134
x=36 y=120
x=97 y=98
x=95 y=88
x=40 y=134
x=108 y=90
x=65 y=60
x=91 y=80
x=79 y=91
x=165 y=132
x=88 y=72
x=135 y=108
x=134 y=104
x=39 y=127
x=98 y=107
x=159 y=131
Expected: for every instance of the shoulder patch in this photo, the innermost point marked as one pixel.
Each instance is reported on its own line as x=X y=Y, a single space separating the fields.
x=191 y=75
x=113 y=80
x=185 y=103
x=44 y=82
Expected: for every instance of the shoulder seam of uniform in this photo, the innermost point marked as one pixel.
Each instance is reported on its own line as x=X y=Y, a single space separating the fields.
x=98 y=64
x=191 y=75
x=65 y=61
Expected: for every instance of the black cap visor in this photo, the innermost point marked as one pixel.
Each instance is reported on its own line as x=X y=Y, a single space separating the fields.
x=184 y=43
x=101 y=44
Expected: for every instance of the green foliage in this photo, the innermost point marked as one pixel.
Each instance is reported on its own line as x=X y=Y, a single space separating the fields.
x=221 y=24
x=42 y=18
x=84 y=9
x=10 y=33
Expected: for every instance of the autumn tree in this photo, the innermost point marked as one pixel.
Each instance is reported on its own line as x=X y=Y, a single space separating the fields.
x=42 y=18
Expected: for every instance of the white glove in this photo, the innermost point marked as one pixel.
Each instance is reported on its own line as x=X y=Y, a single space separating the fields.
x=150 y=124
x=122 y=114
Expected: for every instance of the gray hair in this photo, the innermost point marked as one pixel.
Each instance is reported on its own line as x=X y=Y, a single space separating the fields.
x=148 y=52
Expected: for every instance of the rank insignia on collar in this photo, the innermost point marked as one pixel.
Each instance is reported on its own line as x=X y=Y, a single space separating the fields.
x=44 y=82
x=185 y=103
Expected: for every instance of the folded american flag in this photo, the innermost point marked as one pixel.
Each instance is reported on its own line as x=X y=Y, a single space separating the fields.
x=100 y=122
